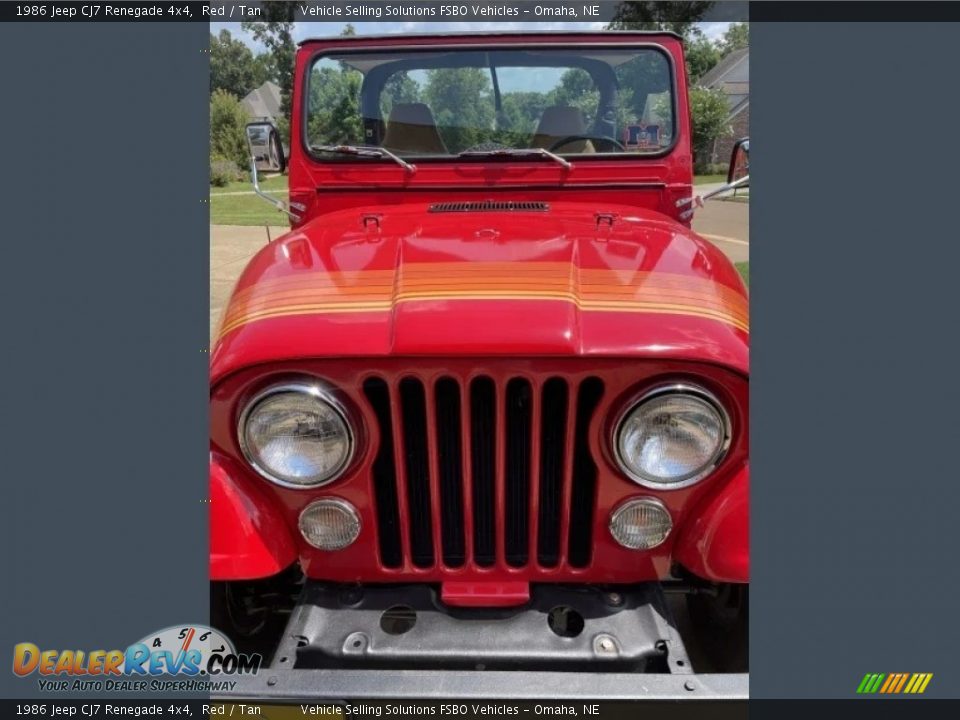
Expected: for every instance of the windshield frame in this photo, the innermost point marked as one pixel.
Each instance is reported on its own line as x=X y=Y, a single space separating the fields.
x=474 y=47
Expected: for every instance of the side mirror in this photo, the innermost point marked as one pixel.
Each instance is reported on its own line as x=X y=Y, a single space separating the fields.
x=266 y=153
x=740 y=163
x=266 y=149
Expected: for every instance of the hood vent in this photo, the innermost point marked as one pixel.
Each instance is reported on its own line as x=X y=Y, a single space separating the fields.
x=490 y=206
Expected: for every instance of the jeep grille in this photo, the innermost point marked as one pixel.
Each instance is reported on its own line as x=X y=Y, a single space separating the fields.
x=484 y=473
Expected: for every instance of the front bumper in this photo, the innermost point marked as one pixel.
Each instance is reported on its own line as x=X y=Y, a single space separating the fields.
x=400 y=642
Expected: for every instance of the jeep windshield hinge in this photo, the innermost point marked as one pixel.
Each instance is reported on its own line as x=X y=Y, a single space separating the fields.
x=277 y=203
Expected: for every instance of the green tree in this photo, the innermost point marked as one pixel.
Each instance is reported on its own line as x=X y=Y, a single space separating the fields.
x=228 y=140
x=399 y=88
x=233 y=68
x=710 y=116
x=578 y=90
x=276 y=33
x=736 y=37
x=678 y=17
x=462 y=105
x=334 y=104
x=263 y=69
x=344 y=124
x=701 y=54
x=520 y=114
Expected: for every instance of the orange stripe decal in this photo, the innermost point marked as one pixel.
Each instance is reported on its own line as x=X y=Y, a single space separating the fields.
x=594 y=290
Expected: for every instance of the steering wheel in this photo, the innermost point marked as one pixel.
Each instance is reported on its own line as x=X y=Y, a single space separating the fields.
x=612 y=145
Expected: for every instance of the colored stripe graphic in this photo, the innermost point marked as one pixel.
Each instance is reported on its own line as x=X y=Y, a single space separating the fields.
x=589 y=289
x=894 y=683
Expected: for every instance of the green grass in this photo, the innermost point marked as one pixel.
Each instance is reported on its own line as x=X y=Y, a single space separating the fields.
x=275 y=183
x=705 y=179
x=247 y=209
x=744 y=269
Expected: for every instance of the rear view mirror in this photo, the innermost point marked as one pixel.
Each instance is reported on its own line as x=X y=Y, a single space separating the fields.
x=266 y=150
x=740 y=163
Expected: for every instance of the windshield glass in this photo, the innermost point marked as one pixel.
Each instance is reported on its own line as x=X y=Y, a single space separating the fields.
x=421 y=104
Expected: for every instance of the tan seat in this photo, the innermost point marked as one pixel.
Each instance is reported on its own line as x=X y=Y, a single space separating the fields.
x=559 y=122
x=411 y=128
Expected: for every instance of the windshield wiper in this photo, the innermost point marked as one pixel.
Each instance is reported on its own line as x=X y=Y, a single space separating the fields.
x=366 y=151
x=517 y=152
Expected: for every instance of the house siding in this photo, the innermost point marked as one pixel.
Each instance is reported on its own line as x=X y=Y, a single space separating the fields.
x=741 y=128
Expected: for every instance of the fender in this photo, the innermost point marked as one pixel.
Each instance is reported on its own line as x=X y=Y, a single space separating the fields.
x=715 y=543
x=248 y=538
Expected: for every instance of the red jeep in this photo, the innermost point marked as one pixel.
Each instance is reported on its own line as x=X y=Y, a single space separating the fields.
x=484 y=408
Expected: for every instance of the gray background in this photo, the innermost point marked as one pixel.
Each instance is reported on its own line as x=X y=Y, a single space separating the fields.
x=855 y=260
x=103 y=290
x=854 y=295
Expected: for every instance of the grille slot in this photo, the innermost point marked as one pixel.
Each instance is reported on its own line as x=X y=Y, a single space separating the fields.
x=518 y=419
x=510 y=453
x=483 y=461
x=584 y=476
x=552 y=451
x=451 y=471
x=385 y=476
x=489 y=206
x=414 y=407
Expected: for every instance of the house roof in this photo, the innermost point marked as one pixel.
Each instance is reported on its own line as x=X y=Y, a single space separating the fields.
x=264 y=102
x=715 y=75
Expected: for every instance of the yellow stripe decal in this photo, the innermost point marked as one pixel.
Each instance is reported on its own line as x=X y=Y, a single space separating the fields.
x=595 y=290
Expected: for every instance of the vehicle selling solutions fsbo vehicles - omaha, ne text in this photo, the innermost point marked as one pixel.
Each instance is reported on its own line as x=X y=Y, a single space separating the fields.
x=484 y=407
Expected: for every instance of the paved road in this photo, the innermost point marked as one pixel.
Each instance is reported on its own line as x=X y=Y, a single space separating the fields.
x=723 y=223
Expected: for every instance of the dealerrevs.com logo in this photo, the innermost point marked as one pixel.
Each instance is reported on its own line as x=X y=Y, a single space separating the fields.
x=201 y=657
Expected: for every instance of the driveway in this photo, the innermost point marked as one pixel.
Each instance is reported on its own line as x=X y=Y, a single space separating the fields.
x=231 y=247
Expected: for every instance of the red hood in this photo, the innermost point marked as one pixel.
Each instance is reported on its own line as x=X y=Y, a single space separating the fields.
x=413 y=282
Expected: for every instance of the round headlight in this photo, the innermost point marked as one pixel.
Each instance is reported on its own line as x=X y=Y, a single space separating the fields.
x=673 y=437
x=640 y=524
x=330 y=524
x=296 y=435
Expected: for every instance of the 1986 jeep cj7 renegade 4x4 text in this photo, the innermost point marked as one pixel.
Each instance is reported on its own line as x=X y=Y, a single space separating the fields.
x=485 y=406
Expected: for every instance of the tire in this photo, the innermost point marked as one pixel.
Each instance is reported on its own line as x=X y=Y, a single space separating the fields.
x=721 y=623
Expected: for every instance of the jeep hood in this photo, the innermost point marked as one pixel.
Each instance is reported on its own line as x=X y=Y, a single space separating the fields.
x=568 y=280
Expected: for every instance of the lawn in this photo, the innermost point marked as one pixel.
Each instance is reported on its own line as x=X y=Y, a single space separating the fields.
x=707 y=179
x=744 y=269
x=275 y=182
x=229 y=208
